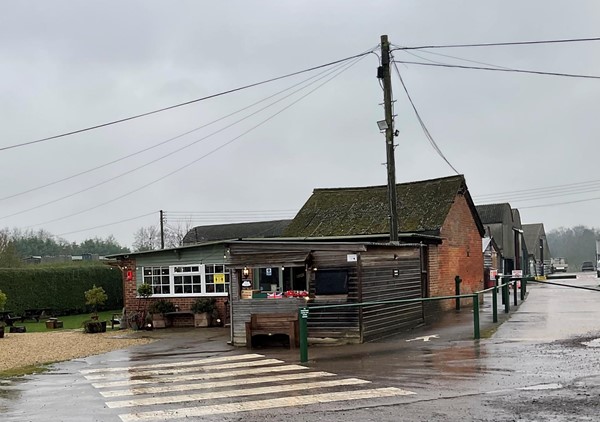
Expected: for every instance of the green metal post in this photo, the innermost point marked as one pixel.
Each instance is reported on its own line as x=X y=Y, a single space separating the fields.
x=523 y=288
x=495 y=301
x=303 y=321
x=476 y=333
x=515 y=292
x=457 y=282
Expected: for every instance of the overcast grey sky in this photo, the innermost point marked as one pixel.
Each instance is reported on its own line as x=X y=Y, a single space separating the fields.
x=66 y=65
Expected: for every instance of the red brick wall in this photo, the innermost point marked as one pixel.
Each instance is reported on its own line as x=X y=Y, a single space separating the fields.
x=459 y=254
x=130 y=293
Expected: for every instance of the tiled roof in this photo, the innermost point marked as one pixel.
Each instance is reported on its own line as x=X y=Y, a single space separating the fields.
x=422 y=208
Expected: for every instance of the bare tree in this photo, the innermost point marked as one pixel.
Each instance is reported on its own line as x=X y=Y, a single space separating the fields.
x=146 y=239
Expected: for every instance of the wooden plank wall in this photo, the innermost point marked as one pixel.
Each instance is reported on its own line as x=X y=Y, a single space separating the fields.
x=379 y=284
x=335 y=323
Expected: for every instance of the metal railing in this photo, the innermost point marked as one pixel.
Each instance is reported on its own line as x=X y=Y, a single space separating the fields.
x=507 y=281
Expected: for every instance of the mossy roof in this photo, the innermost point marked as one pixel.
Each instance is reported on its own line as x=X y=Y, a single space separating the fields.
x=422 y=208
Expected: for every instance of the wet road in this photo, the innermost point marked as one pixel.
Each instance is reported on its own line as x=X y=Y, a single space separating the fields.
x=541 y=364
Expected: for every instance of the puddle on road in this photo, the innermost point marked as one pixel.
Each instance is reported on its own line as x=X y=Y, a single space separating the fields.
x=540 y=387
x=592 y=343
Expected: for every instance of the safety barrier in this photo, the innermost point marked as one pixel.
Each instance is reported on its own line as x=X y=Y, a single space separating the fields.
x=505 y=286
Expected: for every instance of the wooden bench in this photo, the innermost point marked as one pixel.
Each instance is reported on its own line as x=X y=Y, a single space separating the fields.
x=271 y=324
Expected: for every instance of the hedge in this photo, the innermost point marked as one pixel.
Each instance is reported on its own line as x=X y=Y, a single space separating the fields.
x=60 y=289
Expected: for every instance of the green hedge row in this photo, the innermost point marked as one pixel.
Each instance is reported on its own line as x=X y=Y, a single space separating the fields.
x=60 y=289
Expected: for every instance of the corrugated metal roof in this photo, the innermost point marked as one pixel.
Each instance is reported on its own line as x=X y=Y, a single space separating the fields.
x=258 y=229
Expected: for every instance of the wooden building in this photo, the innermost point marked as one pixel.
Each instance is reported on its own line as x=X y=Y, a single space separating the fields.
x=335 y=251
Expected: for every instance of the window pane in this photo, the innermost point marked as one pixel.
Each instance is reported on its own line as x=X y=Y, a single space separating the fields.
x=210 y=288
x=197 y=288
x=219 y=268
x=187 y=289
x=178 y=289
x=165 y=271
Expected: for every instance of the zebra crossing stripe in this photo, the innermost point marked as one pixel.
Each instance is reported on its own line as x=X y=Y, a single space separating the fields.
x=175 y=364
x=263 y=362
x=235 y=393
x=215 y=384
x=200 y=376
x=263 y=404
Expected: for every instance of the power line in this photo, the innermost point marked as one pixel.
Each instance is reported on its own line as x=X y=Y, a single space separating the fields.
x=560 y=203
x=451 y=57
x=318 y=77
x=534 y=72
x=208 y=153
x=422 y=123
x=533 y=190
x=499 y=44
x=184 y=103
x=108 y=224
x=55 y=200
x=162 y=142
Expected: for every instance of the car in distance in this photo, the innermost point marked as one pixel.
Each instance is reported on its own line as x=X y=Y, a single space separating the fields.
x=587 y=266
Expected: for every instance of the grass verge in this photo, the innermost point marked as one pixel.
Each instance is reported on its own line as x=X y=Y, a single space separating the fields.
x=70 y=322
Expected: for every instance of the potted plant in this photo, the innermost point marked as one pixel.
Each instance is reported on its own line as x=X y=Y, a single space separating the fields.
x=137 y=319
x=3 y=299
x=95 y=297
x=158 y=309
x=205 y=310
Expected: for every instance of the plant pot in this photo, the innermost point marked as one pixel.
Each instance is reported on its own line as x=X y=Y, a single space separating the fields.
x=94 y=327
x=202 y=320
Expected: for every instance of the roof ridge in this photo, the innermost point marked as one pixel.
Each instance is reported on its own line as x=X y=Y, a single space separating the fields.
x=416 y=182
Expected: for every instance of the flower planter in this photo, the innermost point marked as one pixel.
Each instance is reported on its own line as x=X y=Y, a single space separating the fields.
x=202 y=320
x=94 y=326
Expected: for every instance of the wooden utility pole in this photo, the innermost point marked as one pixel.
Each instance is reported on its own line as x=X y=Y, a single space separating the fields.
x=384 y=74
x=162 y=230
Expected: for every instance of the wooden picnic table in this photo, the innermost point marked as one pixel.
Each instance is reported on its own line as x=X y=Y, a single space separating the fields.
x=6 y=316
x=35 y=314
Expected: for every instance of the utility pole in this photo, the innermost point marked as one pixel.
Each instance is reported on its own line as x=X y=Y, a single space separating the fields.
x=384 y=74
x=162 y=230
x=542 y=255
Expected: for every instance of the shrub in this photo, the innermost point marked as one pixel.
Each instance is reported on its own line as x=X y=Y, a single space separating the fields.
x=201 y=305
x=161 y=307
x=95 y=297
x=3 y=299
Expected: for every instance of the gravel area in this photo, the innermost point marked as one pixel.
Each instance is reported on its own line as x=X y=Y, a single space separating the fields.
x=19 y=350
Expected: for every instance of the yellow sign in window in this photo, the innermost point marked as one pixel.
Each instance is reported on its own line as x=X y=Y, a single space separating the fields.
x=219 y=278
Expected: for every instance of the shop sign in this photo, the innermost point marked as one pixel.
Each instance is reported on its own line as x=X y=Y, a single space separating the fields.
x=219 y=279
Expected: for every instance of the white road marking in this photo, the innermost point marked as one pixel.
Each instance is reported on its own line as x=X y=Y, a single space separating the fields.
x=235 y=393
x=264 y=404
x=424 y=338
x=200 y=376
x=175 y=364
x=111 y=375
x=216 y=384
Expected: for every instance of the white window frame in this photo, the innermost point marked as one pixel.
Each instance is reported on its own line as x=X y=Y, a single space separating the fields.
x=201 y=272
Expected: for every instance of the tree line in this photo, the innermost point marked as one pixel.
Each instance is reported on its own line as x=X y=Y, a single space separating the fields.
x=577 y=244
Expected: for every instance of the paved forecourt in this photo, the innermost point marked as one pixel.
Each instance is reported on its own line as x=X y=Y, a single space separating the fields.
x=224 y=385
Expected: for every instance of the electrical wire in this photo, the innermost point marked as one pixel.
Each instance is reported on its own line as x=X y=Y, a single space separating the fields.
x=132 y=170
x=560 y=203
x=499 y=44
x=108 y=224
x=450 y=57
x=422 y=123
x=545 y=188
x=534 y=72
x=230 y=91
x=163 y=142
x=205 y=155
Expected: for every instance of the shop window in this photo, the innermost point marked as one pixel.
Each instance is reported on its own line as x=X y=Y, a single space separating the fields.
x=188 y=280
x=331 y=282
x=294 y=278
x=268 y=279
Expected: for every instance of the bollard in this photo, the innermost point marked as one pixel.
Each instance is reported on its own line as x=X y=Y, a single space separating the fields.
x=457 y=282
x=476 y=333
x=523 y=288
x=515 y=292
x=506 y=296
x=495 y=301
x=303 y=321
